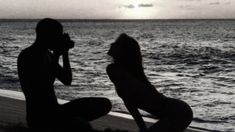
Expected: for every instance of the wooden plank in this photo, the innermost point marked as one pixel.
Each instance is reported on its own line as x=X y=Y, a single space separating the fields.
x=12 y=111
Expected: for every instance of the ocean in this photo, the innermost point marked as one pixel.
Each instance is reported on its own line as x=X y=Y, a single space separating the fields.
x=191 y=60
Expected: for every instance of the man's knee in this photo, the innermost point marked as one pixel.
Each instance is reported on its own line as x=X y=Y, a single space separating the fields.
x=73 y=125
x=107 y=105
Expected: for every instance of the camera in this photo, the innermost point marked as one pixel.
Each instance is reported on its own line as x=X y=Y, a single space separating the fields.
x=67 y=42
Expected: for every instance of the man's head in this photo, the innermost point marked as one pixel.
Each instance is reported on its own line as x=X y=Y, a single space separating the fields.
x=49 y=33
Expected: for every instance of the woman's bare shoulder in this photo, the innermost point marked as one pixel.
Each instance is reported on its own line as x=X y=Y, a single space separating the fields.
x=113 y=69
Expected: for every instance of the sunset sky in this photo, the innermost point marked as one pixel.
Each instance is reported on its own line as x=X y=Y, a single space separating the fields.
x=117 y=9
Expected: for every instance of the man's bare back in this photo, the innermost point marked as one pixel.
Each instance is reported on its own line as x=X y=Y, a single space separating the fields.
x=37 y=76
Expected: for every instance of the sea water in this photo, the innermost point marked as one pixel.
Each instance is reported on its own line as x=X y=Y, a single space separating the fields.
x=191 y=60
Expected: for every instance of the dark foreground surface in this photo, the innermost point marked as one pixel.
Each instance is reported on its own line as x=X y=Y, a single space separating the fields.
x=12 y=117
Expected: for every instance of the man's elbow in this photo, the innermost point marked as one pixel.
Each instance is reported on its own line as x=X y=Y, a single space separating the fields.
x=67 y=82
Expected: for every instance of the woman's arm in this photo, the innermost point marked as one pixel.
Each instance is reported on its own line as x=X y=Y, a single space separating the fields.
x=123 y=88
x=136 y=115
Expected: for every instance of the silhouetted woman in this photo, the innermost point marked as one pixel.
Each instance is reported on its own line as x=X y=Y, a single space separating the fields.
x=136 y=91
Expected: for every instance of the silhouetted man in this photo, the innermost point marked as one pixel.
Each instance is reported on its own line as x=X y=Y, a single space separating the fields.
x=38 y=67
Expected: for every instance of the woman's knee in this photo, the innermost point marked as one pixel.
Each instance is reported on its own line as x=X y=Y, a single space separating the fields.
x=185 y=113
x=188 y=114
x=180 y=112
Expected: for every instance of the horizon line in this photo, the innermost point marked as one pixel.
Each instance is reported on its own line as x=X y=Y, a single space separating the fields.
x=78 y=19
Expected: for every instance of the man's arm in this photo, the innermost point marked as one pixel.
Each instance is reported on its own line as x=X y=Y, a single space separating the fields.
x=64 y=74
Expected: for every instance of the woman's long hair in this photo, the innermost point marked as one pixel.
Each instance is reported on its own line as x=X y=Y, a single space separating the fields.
x=126 y=52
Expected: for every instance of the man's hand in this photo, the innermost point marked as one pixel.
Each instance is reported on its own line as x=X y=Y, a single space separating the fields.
x=58 y=53
x=68 y=43
x=64 y=45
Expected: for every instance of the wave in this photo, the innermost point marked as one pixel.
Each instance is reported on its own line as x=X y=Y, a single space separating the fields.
x=6 y=81
x=7 y=39
x=192 y=56
x=199 y=120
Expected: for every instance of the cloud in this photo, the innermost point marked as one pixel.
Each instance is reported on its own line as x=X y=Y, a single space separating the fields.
x=131 y=6
x=190 y=0
x=214 y=3
x=228 y=3
x=145 y=5
x=187 y=7
x=220 y=3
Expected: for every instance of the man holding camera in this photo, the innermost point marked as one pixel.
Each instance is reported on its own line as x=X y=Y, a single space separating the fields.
x=38 y=67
